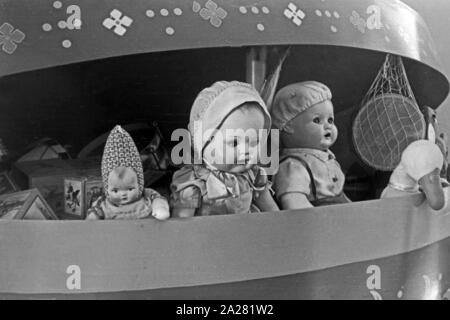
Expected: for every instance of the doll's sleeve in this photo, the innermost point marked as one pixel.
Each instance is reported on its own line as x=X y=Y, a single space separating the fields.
x=292 y=176
x=186 y=189
x=260 y=179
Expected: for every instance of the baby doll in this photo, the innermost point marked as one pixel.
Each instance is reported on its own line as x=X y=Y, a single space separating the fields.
x=309 y=174
x=123 y=182
x=227 y=180
x=419 y=167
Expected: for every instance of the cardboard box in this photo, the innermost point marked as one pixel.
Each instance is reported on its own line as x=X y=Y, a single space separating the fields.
x=80 y=193
x=7 y=185
x=25 y=205
x=48 y=176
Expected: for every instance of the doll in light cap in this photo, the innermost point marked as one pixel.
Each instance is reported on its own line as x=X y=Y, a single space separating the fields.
x=227 y=180
x=123 y=182
x=309 y=174
x=419 y=169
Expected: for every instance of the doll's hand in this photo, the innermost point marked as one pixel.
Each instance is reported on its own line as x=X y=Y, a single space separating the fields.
x=92 y=216
x=160 y=209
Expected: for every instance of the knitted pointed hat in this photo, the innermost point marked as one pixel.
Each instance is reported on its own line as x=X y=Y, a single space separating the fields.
x=120 y=151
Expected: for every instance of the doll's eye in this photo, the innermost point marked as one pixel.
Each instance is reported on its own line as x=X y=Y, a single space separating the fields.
x=316 y=120
x=330 y=120
x=130 y=189
x=114 y=190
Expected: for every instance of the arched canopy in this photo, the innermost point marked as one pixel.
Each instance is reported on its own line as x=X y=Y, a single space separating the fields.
x=60 y=60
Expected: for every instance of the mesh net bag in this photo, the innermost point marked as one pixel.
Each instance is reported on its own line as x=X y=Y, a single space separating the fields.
x=389 y=118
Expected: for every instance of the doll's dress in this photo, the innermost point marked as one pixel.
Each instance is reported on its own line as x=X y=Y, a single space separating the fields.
x=139 y=209
x=315 y=173
x=213 y=192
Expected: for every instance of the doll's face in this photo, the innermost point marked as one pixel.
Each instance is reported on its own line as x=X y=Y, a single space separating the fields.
x=235 y=146
x=313 y=128
x=123 y=186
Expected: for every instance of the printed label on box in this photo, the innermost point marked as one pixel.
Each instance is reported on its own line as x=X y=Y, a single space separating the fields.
x=73 y=196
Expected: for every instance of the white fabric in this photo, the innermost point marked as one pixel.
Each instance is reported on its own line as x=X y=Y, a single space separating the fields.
x=420 y=158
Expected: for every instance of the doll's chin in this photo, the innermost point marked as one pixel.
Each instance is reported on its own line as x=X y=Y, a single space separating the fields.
x=327 y=142
x=238 y=168
x=234 y=168
x=121 y=202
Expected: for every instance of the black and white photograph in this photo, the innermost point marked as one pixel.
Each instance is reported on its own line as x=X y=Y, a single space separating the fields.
x=245 y=151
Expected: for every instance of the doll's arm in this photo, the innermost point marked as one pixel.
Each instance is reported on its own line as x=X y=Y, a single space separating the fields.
x=160 y=208
x=95 y=212
x=265 y=202
x=294 y=200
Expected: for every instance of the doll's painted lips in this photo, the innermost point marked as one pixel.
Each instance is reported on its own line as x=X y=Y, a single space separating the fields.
x=328 y=135
x=244 y=160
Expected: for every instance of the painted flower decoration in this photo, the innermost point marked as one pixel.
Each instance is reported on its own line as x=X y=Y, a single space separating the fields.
x=118 y=21
x=9 y=38
x=211 y=12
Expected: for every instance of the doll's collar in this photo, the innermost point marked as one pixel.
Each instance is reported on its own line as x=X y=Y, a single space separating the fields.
x=222 y=184
x=319 y=154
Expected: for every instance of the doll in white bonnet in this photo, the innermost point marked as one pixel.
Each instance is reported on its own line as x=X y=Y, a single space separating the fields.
x=309 y=174
x=123 y=181
x=227 y=179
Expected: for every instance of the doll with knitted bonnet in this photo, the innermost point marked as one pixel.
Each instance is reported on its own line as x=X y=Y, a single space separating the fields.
x=309 y=174
x=123 y=182
x=227 y=179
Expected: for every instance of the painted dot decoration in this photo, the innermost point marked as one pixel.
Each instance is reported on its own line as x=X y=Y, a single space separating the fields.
x=164 y=12
x=387 y=39
x=254 y=10
x=150 y=13
x=66 y=43
x=333 y=29
x=170 y=31
x=62 y=24
x=57 y=5
x=336 y=14
x=327 y=13
x=260 y=27
x=243 y=10
x=47 y=27
x=400 y=294
x=318 y=13
x=177 y=11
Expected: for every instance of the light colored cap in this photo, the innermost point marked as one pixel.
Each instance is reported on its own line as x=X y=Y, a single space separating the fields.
x=215 y=103
x=295 y=98
x=420 y=158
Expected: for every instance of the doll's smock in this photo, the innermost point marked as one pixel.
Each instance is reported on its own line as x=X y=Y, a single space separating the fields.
x=293 y=176
x=139 y=209
x=212 y=192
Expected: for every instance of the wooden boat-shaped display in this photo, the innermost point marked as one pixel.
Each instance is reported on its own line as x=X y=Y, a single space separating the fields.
x=87 y=65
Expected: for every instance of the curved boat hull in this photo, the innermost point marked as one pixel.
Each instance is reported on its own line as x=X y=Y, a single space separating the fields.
x=414 y=275
x=392 y=248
